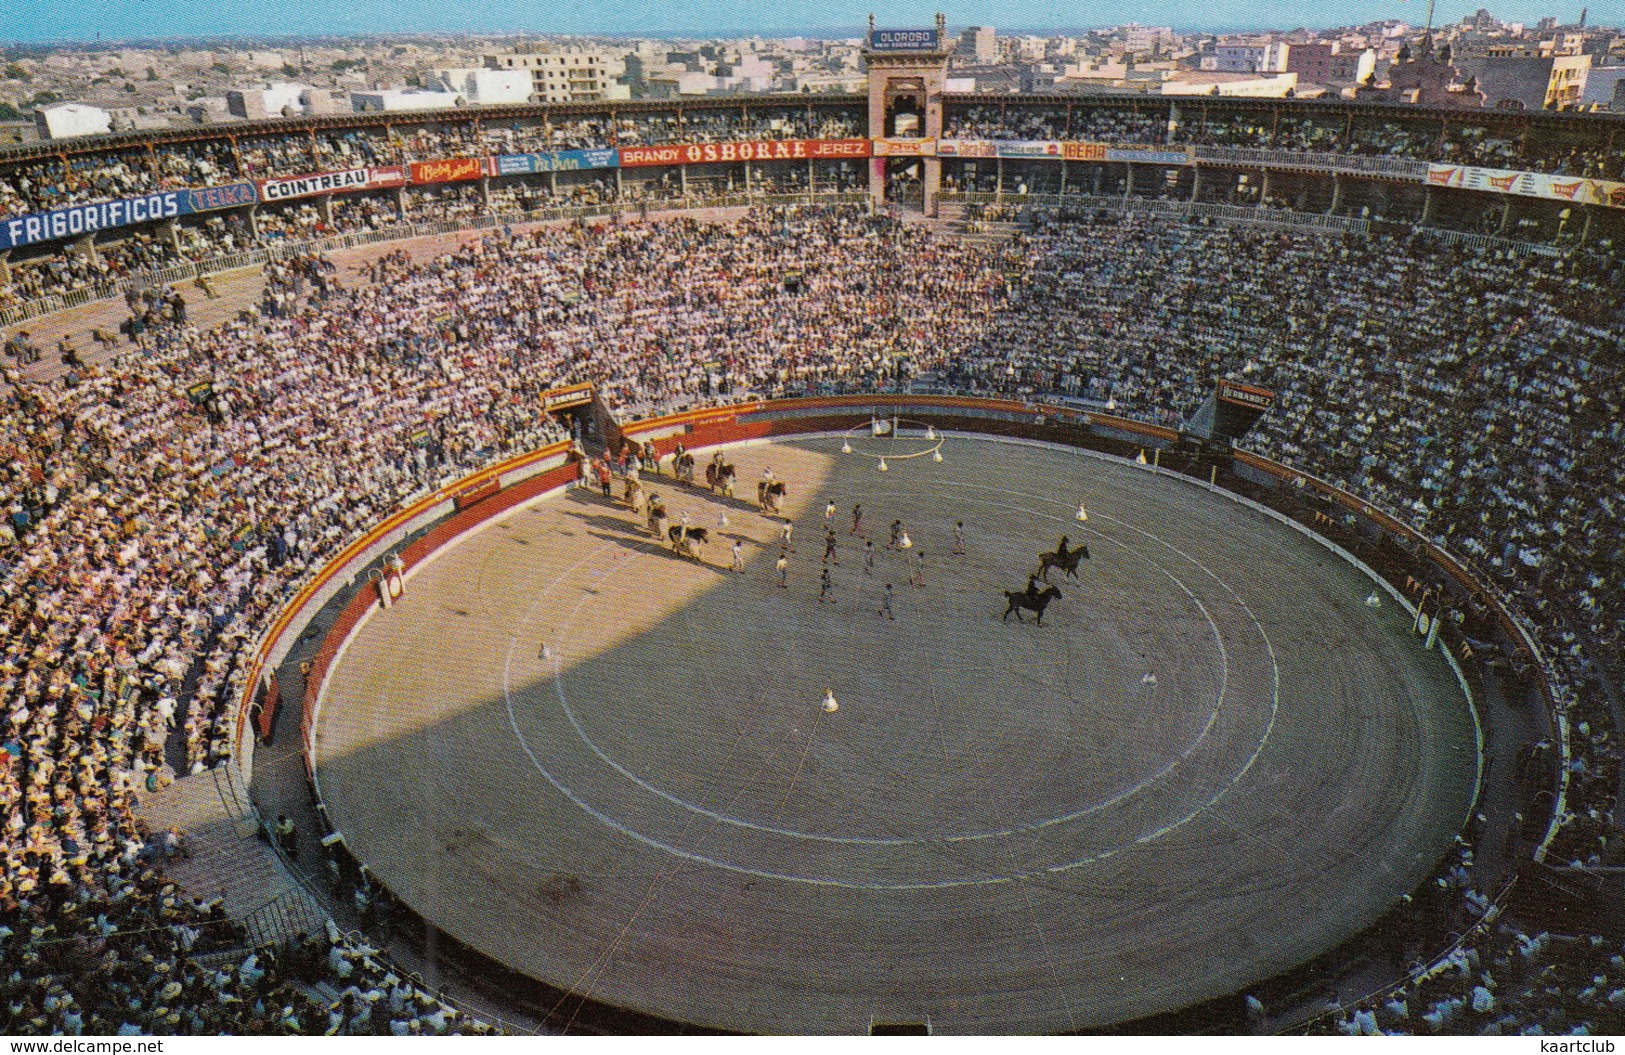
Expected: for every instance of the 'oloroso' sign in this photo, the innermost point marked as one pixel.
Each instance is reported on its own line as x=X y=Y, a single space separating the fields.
x=902 y=40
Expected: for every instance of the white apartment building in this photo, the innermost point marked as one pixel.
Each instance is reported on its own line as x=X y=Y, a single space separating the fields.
x=1248 y=57
x=564 y=76
x=478 y=85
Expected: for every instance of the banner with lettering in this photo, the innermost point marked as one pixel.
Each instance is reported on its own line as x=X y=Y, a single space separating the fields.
x=1576 y=189
x=1029 y=148
x=1063 y=151
x=967 y=148
x=1083 y=151
x=1149 y=155
x=317 y=183
x=905 y=148
x=903 y=40
x=77 y=220
x=552 y=161
x=231 y=196
x=763 y=150
x=449 y=170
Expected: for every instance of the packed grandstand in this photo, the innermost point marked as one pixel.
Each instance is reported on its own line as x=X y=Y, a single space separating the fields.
x=1447 y=352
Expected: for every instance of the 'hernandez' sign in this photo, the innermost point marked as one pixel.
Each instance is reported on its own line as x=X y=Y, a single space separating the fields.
x=76 y=220
x=273 y=190
x=902 y=40
x=1246 y=395
x=564 y=398
x=764 y=150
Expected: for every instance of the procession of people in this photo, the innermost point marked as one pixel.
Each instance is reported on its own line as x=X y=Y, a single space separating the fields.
x=685 y=539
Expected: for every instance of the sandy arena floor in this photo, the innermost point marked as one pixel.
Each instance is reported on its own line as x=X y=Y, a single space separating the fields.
x=1212 y=762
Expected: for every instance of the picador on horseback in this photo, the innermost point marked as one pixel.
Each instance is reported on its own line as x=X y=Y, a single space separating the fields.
x=770 y=496
x=1031 y=602
x=720 y=476
x=1063 y=558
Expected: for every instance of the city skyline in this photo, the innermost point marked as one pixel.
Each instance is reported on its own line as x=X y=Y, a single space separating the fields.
x=30 y=22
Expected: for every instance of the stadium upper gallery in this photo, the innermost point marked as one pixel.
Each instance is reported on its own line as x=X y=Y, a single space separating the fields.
x=550 y=567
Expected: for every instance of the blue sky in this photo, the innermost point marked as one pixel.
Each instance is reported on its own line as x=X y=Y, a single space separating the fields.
x=48 y=20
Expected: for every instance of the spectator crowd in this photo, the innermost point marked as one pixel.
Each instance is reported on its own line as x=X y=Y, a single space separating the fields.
x=164 y=501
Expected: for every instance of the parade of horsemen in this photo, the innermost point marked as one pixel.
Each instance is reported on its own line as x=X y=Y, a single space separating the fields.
x=685 y=537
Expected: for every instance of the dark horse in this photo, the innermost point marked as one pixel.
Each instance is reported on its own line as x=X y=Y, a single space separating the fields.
x=770 y=496
x=696 y=534
x=719 y=475
x=1063 y=558
x=1022 y=599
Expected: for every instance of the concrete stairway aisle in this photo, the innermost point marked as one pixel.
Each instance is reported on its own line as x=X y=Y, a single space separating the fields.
x=954 y=219
x=226 y=857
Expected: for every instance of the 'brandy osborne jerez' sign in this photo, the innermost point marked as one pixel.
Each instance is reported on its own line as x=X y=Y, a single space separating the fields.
x=760 y=150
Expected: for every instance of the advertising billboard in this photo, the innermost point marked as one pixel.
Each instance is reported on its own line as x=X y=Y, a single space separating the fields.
x=77 y=220
x=275 y=190
x=762 y=150
x=903 y=40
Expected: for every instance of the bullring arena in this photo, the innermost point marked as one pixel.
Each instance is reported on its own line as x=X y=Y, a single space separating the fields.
x=1212 y=762
x=339 y=696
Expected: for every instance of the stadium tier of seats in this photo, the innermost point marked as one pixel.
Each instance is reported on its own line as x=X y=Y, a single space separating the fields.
x=163 y=500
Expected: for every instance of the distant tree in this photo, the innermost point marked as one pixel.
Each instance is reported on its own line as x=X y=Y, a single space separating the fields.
x=15 y=72
x=129 y=86
x=221 y=67
x=289 y=70
x=46 y=98
x=340 y=65
x=10 y=113
x=152 y=74
x=413 y=81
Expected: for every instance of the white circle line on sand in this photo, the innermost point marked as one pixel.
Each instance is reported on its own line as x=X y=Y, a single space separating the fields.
x=1107 y=803
x=1142 y=839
